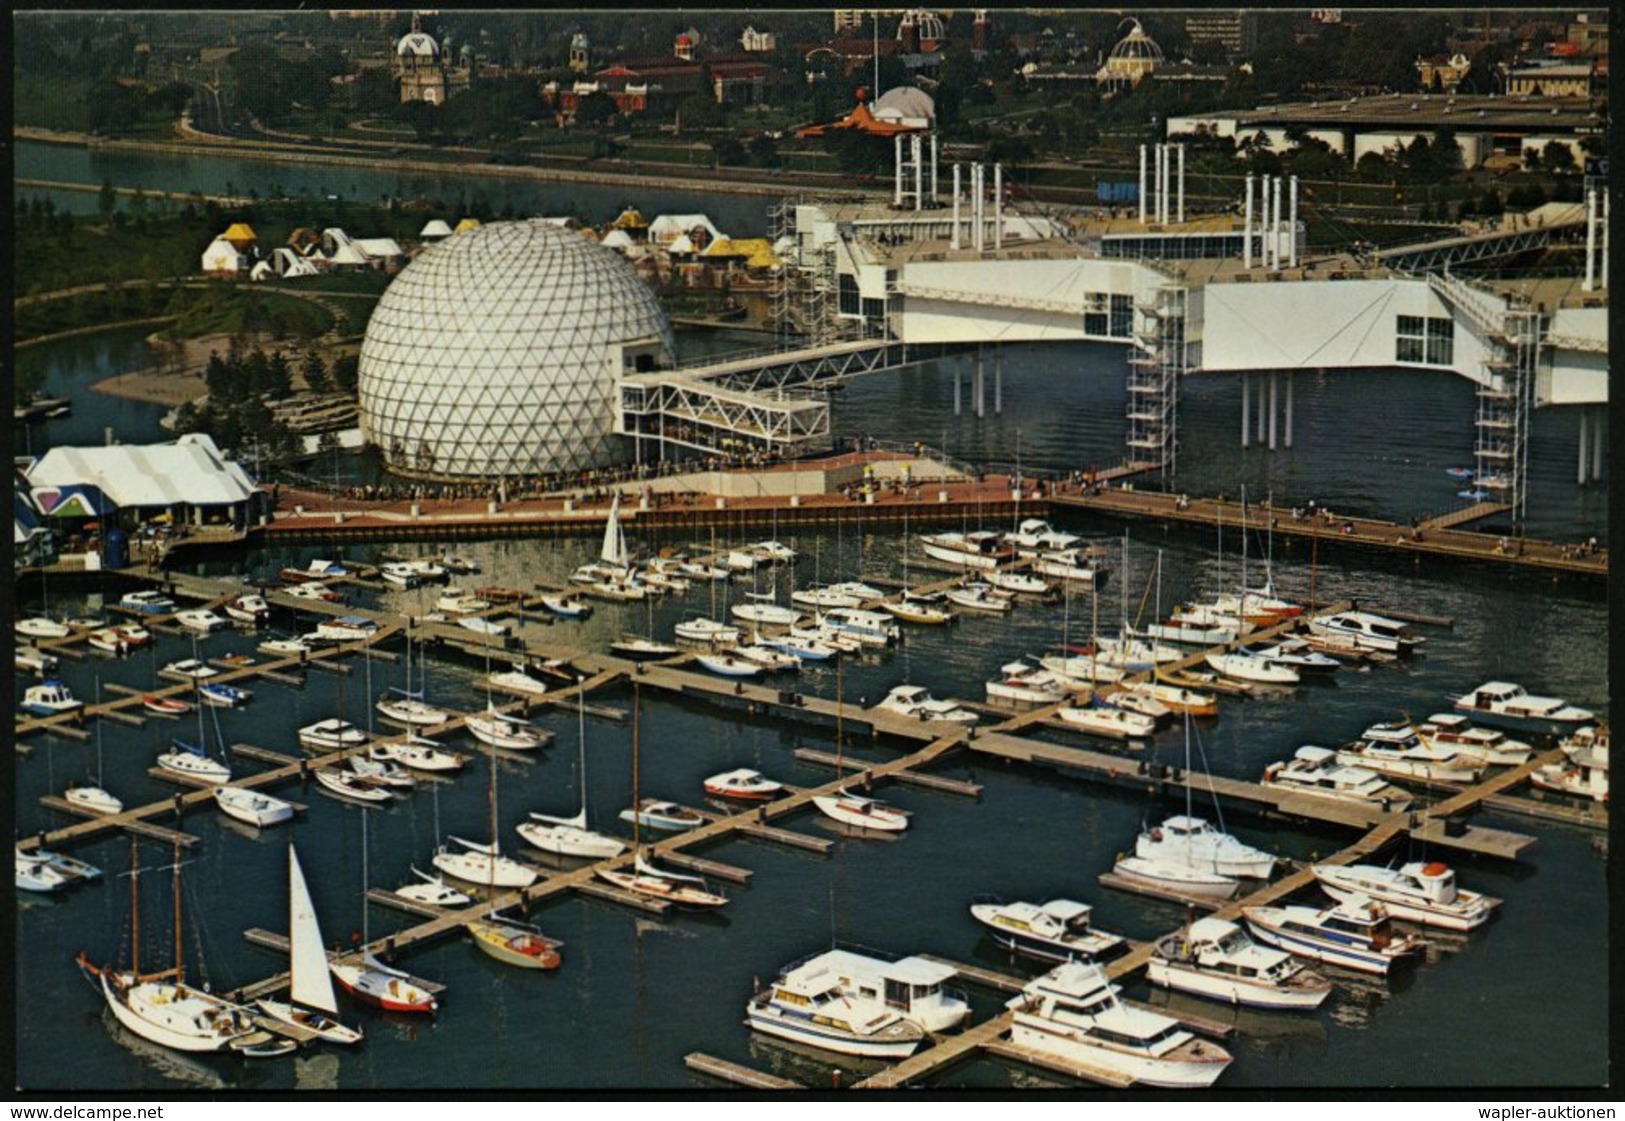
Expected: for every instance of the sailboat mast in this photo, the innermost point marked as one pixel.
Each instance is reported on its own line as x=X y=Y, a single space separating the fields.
x=637 y=806
x=839 y=710
x=135 y=911
x=175 y=892
x=581 y=737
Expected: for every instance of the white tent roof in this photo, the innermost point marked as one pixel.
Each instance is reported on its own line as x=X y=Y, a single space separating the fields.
x=378 y=246
x=617 y=239
x=261 y=271
x=435 y=227
x=338 y=236
x=349 y=255
x=222 y=250
x=191 y=470
x=667 y=227
x=680 y=244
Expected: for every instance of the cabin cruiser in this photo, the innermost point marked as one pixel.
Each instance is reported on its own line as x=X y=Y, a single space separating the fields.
x=871 y=628
x=1505 y=705
x=1248 y=667
x=201 y=620
x=1397 y=751
x=1423 y=892
x=432 y=890
x=912 y=986
x=251 y=609
x=332 y=734
x=807 y=1004
x=1019 y=583
x=1315 y=771
x=978 y=549
x=315 y=590
x=1021 y=685
x=1584 y=772
x=1055 y=931
x=147 y=603
x=744 y=784
x=1073 y=1012
x=916 y=701
x=1034 y=535
x=1489 y=746
x=1191 y=840
x=1216 y=959
x=347 y=628
x=50 y=698
x=1355 y=933
x=190 y=667
x=1370 y=632
x=977 y=595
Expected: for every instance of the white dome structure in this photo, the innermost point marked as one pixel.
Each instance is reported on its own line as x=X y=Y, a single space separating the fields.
x=1134 y=56
x=495 y=353
x=418 y=44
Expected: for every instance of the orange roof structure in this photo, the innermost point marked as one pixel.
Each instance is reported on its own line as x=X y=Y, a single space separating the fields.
x=864 y=121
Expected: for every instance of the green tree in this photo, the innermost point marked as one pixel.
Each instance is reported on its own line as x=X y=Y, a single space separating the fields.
x=315 y=373
x=106 y=200
x=700 y=111
x=1557 y=157
x=346 y=372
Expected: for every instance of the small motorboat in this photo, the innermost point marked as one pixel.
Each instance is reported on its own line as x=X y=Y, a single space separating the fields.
x=1424 y=892
x=251 y=609
x=743 y=784
x=979 y=596
x=332 y=734
x=1175 y=878
x=297 y=645
x=191 y=668
x=454 y=562
x=383 y=772
x=432 y=890
x=347 y=628
x=40 y=627
x=50 y=698
x=567 y=605
x=201 y=620
x=1034 y=535
x=164 y=706
x=419 y=754
x=34 y=874
x=147 y=603
x=1194 y=841
x=1021 y=685
x=1141 y=699
x=1369 y=632
x=315 y=571
x=862 y=812
x=1216 y=959
x=1355 y=934
x=653 y=882
x=109 y=640
x=977 y=549
x=32 y=660
x=652 y=813
x=1055 y=931
x=251 y=806
x=507 y=732
x=870 y=628
x=916 y=609
x=1107 y=720
x=348 y=784
x=316 y=591
x=917 y=702
x=222 y=695
x=706 y=631
x=515 y=945
x=401 y=574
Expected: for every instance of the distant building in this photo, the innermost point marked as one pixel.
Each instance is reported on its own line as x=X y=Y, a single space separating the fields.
x=1551 y=80
x=423 y=69
x=1134 y=57
x=757 y=41
x=1442 y=74
x=222 y=258
x=187 y=482
x=578 y=53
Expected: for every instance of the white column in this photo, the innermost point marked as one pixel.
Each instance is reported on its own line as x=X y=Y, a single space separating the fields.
x=1264 y=221
x=1246 y=434
x=998 y=206
x=1167 y=182
x=979 y=386
x=897 y=170
x=998 y=381
x=1292 y=226
x=1247 y=227
x=956 y=388
x=953 y=240
x=919 y=171
x=1585 y=453
x=1275 y=238
x=1591 y=265
x=1181 y=184
x=979 y=230
x=1262 y=406
x=933 y=168
x=1599 y=431
x=1603 y=270
x=1142 y=184
x=1289 y=380
x=1274 y=379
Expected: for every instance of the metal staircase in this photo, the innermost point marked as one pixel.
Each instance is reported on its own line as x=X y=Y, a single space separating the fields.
x=1161 y=355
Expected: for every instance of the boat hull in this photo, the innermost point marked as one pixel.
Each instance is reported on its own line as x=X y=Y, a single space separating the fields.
x=382 y=990
x=1066 y=1043
x=768 y=1022
x=1316 y=949
x=1196 y=981
x=513 y=947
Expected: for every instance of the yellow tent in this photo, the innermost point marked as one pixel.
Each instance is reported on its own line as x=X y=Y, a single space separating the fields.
x=629 y=219
x=467 y=224
x=240 y=234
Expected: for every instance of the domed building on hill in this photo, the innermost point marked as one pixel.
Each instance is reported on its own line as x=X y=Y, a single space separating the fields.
x=1134 y=57
x=495 y=353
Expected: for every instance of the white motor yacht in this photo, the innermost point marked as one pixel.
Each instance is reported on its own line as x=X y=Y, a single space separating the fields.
x=1073 y=1012
x=1249 y=667
x=332 y=734
x=978 y=549
x=1355 y=934
x=1175 y=877
x=1217 y=959
x=807 y=1004
x=432 y=890
x=744 y=784
x=50 y=698
x=1489 y=746
x=1034 y=535
x=1505 y=705
x=202 y=620
x=1424 y=892
x=1021 y=685
x=1369 y=632
x=911 y=986
x=871 y=628
x=1397 y=751
x=1315 y=771
x=917 y=702
x=1055 y=931
x=1194 y=841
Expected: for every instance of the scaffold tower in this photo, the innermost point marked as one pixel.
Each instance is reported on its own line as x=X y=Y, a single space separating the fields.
x=1161 y=356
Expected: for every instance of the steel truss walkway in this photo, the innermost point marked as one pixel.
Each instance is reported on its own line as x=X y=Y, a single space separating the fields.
x=1431 y=256
x=770 y=400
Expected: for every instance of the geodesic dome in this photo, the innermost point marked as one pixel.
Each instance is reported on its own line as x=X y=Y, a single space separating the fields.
x=1134 y=56
x=494 y=353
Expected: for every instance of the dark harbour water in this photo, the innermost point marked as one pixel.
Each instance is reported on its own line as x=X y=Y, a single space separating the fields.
x=1522 y=1003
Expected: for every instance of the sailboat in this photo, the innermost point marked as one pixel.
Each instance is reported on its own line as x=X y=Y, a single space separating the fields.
x=612 y=575
x=162 y=1008
x=855 y=809
x=569 y=836
x=310 y=1004
x=192 y=761
x=93 y=796
x=911 y=607
x=370 y=980
x=647 y=879
x=407 y=706
x=484 y=863
x=515 y=944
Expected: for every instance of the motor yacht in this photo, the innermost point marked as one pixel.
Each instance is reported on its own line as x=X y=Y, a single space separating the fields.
x=1194 y=841
x=1489 y=746
x=978 y=549
x=1355 y=934
x=1073 y=1012
x=807 y=1004
x=1505 y=705
x=1369 y=632
x=1419 y=891
x=912 y=986
x=1020 y=685
x=433 y=891
x=50 y=698
x=1217 y=959
x=917 y=702
x=201 y=620
x=1315 y=771
x=1397 y=751
x=1055 y=931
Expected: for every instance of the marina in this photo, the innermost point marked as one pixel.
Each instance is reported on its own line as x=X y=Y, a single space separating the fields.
x=842 y=588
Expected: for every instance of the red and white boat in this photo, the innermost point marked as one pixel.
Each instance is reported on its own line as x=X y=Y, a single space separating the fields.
x=165 y=706
x=745 y=785
x=372 y=982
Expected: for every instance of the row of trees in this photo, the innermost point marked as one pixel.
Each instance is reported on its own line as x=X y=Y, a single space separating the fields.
x=241 y=385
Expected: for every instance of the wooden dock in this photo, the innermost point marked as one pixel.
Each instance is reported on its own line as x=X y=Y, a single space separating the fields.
x=724 y=1071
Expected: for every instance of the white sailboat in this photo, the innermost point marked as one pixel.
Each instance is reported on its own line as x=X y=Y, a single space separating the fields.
x=93 y=796
x=310 y=1004
x=856 y=810
x=569 y=836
